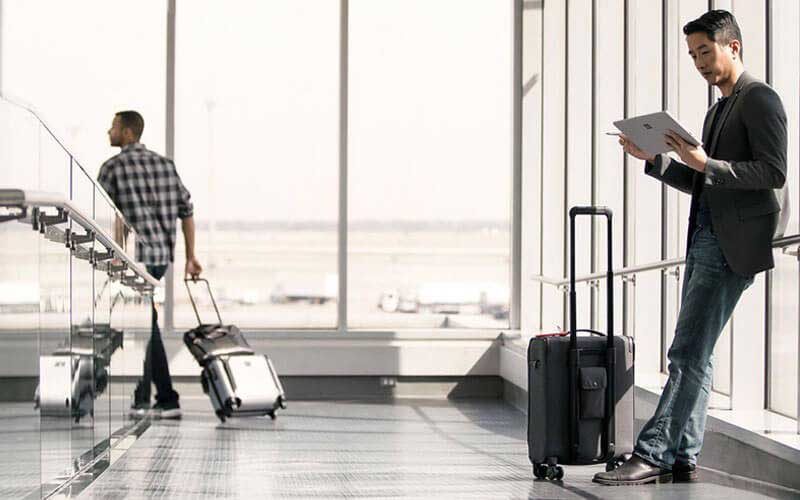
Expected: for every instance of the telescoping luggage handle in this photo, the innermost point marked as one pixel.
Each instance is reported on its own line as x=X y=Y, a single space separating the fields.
x=608 y=437
x=573 y=318
x=186 y=281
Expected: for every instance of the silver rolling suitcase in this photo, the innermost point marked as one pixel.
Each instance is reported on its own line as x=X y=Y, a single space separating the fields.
x=72 y=377
x=238 y=381
x=65 y=386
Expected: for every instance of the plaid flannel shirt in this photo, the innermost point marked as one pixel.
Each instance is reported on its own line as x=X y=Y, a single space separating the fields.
x=148 y=191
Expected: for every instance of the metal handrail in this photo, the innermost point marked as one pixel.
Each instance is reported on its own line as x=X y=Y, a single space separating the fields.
x=24 y=200
x=782 y=242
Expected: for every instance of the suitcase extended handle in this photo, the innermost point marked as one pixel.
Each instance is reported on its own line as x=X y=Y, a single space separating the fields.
x=186 y=282
x=573 y=317
x=590 y=211
x=574 y=353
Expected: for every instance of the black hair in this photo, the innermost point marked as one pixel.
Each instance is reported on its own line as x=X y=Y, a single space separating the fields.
x=132 y=120
x=719 y=25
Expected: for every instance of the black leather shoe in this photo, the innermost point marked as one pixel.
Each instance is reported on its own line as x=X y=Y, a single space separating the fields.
x=634 y=471
x=684 y=472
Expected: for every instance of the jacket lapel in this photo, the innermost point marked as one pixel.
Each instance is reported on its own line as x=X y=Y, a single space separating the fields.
x=712 y=143
x=707 y=126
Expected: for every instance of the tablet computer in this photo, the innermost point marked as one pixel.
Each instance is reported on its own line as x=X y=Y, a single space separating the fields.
x=647 y=131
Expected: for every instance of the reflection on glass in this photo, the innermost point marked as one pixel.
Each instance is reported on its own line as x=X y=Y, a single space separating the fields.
x=119 y=393
x=20 y=461
x=109 y=324
x=81 y=347
x=55 y=371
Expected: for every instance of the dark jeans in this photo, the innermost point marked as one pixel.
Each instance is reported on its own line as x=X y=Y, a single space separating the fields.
x=709 y=295
x=156 y=365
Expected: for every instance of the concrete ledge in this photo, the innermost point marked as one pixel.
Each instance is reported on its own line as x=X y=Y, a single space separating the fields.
x=736 y=450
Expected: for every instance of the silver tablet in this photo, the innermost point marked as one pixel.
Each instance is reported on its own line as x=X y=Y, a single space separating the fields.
x=647 y=131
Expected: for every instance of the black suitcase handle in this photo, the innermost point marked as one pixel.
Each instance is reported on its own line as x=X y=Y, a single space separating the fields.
x=573 y=317
x=574 y=356
x=186 y=282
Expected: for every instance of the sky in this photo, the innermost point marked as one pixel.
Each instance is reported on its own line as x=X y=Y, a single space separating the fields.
x=257 y=108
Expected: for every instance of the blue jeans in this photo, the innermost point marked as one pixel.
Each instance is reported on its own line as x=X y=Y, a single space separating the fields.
x=156 y=364
x=709 y=295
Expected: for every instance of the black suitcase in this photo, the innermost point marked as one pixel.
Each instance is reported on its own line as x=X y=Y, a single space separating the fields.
x=580 y=388
x=238 y=381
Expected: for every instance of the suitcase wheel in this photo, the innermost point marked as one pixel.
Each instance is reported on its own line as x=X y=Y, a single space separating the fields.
x=281 y=402
x=221 y=416
x=272 y=415
x=551 y=472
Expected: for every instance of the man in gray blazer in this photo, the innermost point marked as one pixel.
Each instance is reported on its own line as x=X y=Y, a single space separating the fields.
x=736 y=180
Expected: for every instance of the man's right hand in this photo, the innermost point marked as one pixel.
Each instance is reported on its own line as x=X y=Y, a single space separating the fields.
x=193 y=268
x=633 y=150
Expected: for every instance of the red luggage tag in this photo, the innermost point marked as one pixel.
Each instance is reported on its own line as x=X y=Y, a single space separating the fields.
x=557 y=334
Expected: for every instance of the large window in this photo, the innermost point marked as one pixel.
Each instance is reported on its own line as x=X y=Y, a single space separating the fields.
x=257 y=103
x=429 y=163
x=78 y=63
x=257 y=144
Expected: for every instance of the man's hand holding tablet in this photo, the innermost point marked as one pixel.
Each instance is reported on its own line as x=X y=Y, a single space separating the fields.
x=694 y=156
x=629 y=147
x=646 y=136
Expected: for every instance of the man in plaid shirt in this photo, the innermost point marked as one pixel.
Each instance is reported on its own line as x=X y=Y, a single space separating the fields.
x=148 y=191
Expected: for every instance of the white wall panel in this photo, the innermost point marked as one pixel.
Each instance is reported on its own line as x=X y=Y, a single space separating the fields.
x=553 y=155
x=579 y=139
x=645 y=53
x=785 y=47
x=531 y=164
x=609 y=178
x=752 y=18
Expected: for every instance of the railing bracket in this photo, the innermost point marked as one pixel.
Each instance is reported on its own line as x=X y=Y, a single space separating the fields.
x=71 y=239
x=50 y=220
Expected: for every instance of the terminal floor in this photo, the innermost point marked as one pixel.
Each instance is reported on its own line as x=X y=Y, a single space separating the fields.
x=356 y=449
x=37 y=451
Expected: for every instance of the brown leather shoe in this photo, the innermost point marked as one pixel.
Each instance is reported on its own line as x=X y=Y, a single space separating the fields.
x=684 y=472
x=634 y=471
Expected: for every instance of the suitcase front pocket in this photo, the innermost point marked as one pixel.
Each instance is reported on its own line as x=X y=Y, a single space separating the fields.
x=593 y=382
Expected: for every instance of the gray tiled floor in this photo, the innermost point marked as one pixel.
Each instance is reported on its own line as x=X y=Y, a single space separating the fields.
x=37 y=452
x=20 y=472
x=404 y=449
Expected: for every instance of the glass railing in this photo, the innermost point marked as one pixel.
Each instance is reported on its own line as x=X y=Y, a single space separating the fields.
x=755 y=360
x=70 y=298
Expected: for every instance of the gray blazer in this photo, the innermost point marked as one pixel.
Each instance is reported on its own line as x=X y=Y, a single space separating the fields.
x=745 y=175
